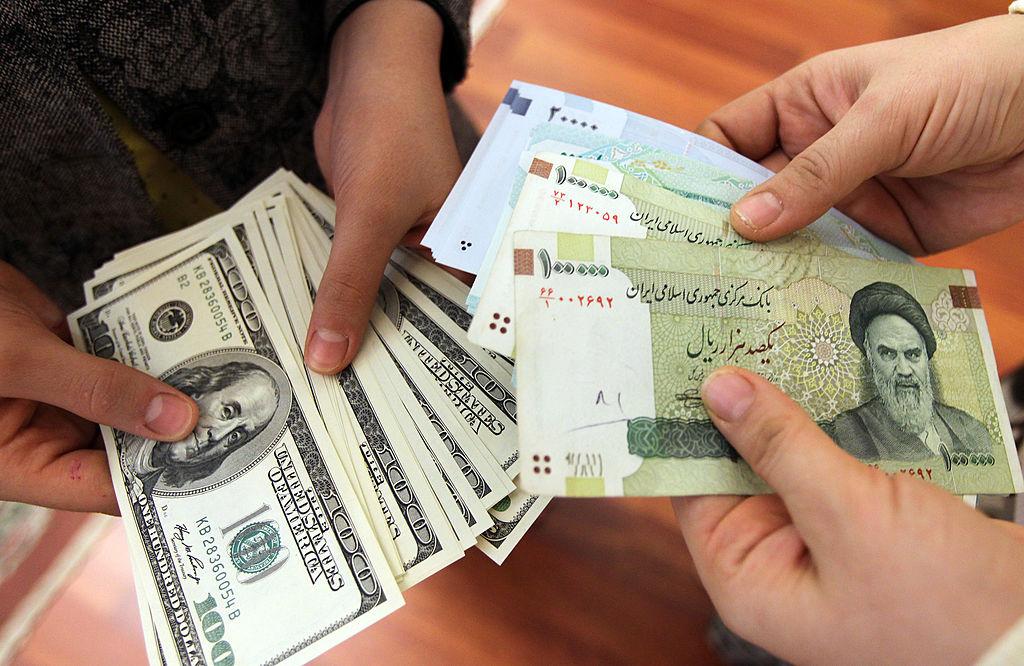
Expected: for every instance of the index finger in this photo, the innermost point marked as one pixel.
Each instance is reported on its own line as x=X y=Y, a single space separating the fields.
x=749 y=124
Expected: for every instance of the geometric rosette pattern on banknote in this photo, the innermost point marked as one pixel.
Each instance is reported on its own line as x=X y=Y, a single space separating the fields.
x=818 y=361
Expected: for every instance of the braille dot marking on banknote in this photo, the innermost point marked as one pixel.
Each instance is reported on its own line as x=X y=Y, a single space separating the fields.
x=498 y=320
x=537 y=459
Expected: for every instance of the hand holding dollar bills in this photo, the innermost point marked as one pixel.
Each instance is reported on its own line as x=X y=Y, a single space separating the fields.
x=52 y=395
x=311 y=499
x=389 y=176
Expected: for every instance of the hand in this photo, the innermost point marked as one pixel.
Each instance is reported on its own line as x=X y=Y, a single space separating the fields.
x=52 y=396
x=920 y=139
x=385 y=146
x=845 y=564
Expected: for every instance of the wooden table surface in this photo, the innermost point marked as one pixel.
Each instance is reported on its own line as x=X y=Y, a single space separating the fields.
x=596 y=580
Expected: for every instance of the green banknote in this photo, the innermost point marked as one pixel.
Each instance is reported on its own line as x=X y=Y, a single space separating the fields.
x=684 y=174
x=690 y=177
x=615 y=336
x=568 y=194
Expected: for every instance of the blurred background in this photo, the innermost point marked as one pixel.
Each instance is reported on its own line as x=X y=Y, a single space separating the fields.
x=604 y=581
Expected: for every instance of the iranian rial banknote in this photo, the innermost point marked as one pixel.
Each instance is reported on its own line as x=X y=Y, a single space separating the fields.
x=255 y=547
x=568 y=194
x=471 y=216
x=684 y=175
x=615 y=336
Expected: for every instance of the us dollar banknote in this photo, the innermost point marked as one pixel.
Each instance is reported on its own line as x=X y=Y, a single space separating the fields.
x=250 y=542
x=514 y=514
x=435 y=295
x=416 y=522
x=477 y=387
x=616 y=336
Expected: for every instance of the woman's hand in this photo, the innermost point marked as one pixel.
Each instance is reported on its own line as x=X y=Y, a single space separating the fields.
x=52 y=396
x=845 y=564
x=385 y=146
x=920 y=139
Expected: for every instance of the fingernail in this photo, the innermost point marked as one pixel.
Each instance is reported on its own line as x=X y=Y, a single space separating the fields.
x=169 y=416
x=727 y=395
x=759 y=210
x=326 y=350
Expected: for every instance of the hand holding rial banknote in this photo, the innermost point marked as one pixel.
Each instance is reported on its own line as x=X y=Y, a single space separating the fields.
x=385 y=146
x=920 y=139
x=51 y=398
x=845 y=564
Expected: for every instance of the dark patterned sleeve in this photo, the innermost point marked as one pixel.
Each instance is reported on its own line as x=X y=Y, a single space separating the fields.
x=454 y=46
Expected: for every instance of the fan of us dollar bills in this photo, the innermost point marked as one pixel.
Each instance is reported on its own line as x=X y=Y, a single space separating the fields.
x=303 y=505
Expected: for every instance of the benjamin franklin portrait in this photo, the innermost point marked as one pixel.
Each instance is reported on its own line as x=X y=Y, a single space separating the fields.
x=237 y=401
x=904 y=421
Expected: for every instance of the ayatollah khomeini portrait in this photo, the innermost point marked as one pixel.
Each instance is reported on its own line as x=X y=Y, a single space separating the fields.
x=904 y=421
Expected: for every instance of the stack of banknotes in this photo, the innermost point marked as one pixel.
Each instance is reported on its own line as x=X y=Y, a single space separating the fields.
x=608 y=269
x=303 y=505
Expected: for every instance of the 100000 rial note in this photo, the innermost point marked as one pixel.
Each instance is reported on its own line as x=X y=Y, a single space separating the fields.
x=571 y=195
x=616 y=336
x=253 y=544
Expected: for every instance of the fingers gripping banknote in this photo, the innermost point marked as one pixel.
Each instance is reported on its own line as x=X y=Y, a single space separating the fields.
x=254 y=504
x=616 y=335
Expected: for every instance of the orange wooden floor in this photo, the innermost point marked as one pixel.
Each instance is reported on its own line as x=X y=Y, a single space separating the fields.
x=595 y=581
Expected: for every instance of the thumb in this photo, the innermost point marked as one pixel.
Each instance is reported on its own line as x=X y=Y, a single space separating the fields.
x=347 y=291
x=859 y=147
x=99 y=390
x=37 y=365
x=815 y=479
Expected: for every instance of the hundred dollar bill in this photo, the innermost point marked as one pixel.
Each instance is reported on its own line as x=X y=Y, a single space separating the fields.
x=416 y=522
x=253 y=545
x=468 y=517
x=572 y=195
x=444 y=291
x=616 y=335
x=477 y=388
x=486 y=480
x=513 y=516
